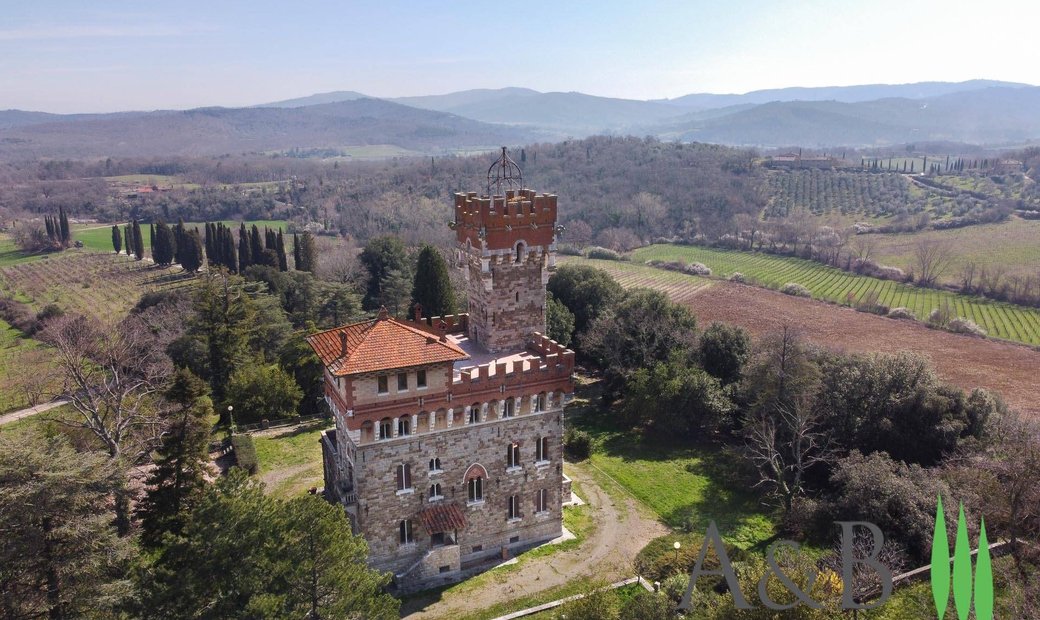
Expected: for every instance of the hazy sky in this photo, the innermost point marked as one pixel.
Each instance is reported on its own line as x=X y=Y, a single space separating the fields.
x=75 y=56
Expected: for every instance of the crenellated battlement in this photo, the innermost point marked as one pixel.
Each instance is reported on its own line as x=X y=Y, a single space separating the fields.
x=498 y=222
x=554 y=362
x=442 y=325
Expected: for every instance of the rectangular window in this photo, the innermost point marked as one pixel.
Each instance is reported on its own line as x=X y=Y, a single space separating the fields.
x=405 y=529
x=420 y=378
x=541 y=449
x=514 y=507
x=381 y=385
x=404 y=477
x=541 y=502
x=513 y=455
x=402 y=381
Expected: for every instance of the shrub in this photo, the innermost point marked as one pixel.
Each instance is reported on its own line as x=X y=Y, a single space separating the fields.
x=577 y=443
x=902 y=313
x=965 y=326
x=602 y=253
x=699 y=269
x=245 y=453
x=568 y=249
x=737 y=277
x=795 y=289
x=658 y=560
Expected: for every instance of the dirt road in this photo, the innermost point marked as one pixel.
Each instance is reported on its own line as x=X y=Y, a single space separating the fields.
x=7 y=418
x=621 y=532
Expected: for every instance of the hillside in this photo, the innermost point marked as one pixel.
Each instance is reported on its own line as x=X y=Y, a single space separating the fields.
x=216 y=131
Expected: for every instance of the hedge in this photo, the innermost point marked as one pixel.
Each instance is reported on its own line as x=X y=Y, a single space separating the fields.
x=245 y=453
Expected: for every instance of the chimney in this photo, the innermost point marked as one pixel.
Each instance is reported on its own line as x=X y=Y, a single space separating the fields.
x=343 y=344
x=418 y=313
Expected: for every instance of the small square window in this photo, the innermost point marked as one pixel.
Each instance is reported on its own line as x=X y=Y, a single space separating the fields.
x=381 y=387
x=420 y=378
x=402 y=381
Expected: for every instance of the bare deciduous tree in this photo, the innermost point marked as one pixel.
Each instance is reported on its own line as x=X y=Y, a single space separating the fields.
x=931 y=259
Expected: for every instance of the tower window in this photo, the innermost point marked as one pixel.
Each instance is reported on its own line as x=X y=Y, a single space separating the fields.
x=405 y=529
x=474 y=414
x=541 y=449
x=404 y=477
x=513 y=455
x=509 y=408
x=541 y=501
x=404 y=426
x=386 y=428
x=435 y=464
x=514 y=507
x=476 y=489
x=519 y=252
x=435 y=492
x=518 y=295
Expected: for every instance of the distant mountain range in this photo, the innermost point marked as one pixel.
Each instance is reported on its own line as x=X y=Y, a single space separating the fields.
x=977 y=111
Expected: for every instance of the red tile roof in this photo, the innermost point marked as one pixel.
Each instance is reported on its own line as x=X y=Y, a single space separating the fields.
x=442 y=518
x=382 y=343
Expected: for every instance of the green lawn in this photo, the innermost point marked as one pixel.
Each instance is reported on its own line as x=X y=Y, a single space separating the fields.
x=290 y=461
x=99 y=236
x=685 y=484
x=1001 y=320
x=11 y=255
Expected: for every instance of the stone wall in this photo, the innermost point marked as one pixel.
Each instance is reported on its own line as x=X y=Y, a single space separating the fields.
x=381 y=507
x=507 y=299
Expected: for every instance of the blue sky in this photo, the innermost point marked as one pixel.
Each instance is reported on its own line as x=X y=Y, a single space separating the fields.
x=74 y=56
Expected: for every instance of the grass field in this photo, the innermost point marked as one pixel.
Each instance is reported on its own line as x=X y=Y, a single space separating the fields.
x=1001 y=320
x=676 y=285
x=99 y=236
x=685 y=484
x=290 y=461
x=19 y=357
x=1013 y=246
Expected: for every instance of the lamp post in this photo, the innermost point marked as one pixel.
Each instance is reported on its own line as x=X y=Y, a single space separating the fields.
x=677 y=546
x=231 y=417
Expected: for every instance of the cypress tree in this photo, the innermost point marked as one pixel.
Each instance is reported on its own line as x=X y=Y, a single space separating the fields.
x=151 y=239
x=163 y=246
x=179 y=240
x=307 y=252
x=138 y=240
x=66 y=234
x=283 y=262
x=244 y=254
x=431 y=288
x=270 y=241
x=228 y=252
x=191 y=254
x=296 y=251
x=256 y=249
x=49 y=225
x=128 y=238
x=117 y=239
x=208 y=244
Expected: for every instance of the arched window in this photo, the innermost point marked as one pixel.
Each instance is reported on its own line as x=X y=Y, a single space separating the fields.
x=404 y=425
x=386 y=428
x=435 y=492
x=405 y=528
x=519 y=251
x=404 y=477
x=475 y=489
x=509 y=408
x=435 y=464
x=474 y=413
x=539 y=402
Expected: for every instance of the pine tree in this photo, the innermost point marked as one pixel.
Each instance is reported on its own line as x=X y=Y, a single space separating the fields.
x=179 y=477
x=283 y=262
x=117 y=239
x=431 y=288
x=245 y=256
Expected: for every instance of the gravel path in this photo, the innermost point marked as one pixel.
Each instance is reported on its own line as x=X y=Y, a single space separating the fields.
x=7 y=418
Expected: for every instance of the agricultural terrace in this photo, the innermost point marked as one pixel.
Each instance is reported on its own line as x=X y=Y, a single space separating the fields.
x=99 y=236
x=861 y=194
x=1011 y=247
x=1001 y=320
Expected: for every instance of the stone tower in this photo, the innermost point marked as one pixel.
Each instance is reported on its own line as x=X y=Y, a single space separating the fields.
x=506 y=247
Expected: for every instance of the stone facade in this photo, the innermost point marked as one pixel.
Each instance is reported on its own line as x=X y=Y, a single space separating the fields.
x=448 y=446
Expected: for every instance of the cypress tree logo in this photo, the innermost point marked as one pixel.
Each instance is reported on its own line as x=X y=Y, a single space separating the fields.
x=960 y=578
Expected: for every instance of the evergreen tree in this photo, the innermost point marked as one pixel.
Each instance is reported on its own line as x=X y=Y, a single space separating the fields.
x=180 y=242
x=228 y=253
x=307 y=260
x=211 y=256
x=383 y=257
x=191 y=254
x=164 y=245
x=66 y=234
x=182 y=464
x=245 y=255
x=432 y=288
x=138 y=240
x=296 y=252
x=283 y=262
x=128 y=238
x=151 y=239
x=256 y=248
x=49 y=225
x=117 y=239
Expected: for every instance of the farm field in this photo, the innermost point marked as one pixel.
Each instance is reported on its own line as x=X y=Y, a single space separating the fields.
x=101 y=285
x=964 y=361
x=1013 y=246
x=99 y=236
x=679 y=286
x=1000 y=320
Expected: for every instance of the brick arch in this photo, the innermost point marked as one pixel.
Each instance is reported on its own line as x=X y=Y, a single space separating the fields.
x=476 y=470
